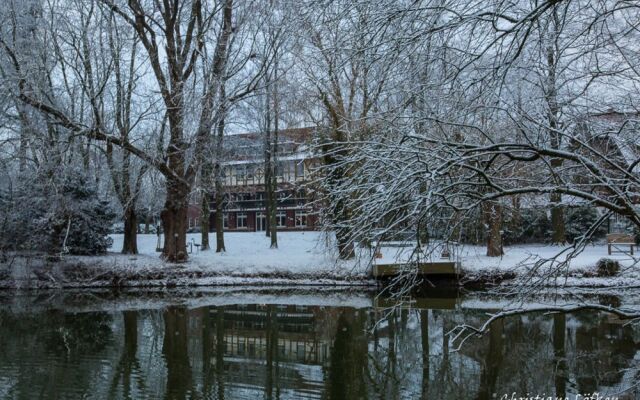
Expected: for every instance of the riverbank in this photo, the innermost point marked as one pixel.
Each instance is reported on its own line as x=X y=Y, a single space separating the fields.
x=123 y=299
x=303 y=258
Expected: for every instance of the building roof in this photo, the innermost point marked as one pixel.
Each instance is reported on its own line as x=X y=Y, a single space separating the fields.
x=616 y=135
x=246 y=148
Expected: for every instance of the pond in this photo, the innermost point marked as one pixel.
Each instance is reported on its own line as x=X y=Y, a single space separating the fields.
x=295 y=345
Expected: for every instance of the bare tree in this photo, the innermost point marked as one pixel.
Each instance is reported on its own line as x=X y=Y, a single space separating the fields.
x=184 y=28
x=351 y=68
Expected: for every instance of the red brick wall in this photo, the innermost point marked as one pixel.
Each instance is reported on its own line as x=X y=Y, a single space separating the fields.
x=291 y=221
x=251 y=220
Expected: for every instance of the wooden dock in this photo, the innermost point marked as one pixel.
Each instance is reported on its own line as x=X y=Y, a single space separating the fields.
x=434 y=268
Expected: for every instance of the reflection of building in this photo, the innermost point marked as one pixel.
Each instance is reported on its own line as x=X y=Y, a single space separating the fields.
x=244 y=182
x=297 y=341
x=258 y=339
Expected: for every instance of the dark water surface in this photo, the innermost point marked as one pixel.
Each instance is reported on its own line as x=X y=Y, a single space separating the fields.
x=253 y=345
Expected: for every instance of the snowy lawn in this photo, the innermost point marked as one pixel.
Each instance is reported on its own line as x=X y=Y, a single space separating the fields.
x=523 y=259
x=474 y=257
x=580 y=270
x=313 y=253
x=248 y=253
x=303 y=258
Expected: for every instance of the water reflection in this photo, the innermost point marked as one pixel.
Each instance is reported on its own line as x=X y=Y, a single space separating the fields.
x=286 y=351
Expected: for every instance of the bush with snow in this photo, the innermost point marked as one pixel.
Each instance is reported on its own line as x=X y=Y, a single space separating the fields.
x=607 y=267
x=579 y=220
x=56 y=214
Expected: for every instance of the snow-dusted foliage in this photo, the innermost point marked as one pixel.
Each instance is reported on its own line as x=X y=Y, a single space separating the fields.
x=56 y=214
x=461 y=120
x=507 y=108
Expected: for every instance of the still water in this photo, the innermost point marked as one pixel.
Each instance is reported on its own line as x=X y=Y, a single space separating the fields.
x=253 y=345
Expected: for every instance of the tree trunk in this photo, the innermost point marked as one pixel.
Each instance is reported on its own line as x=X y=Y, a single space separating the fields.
x=557 y=219
x=559 y=334
x=272 y=201
x=424 y=330
x=24 y=132
x=339 y=212
x=346 y=249
x=130 y=241
x=274 y=161
x=219 y=218
x=130 y=332
x=551 y=97
x=267 y=203
x=219 y=184
x=493 y=361
x=273 y=209
x=204 y=221
x=270 y=168
x=175 y=349
x=493 y=220
x=220 y=350
x=174 y=221
x=267 y=192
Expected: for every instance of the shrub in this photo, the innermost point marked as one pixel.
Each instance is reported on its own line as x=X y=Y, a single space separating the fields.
x=607 y=267
x=529 y=225
x=579 y=220
x=47 y=214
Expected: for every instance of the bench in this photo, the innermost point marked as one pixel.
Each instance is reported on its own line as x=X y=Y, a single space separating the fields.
x=620 y=239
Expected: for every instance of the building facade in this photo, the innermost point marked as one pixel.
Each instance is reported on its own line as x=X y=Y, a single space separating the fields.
x=243 y=174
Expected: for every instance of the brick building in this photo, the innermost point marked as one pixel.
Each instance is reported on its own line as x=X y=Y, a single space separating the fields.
x=243 y=174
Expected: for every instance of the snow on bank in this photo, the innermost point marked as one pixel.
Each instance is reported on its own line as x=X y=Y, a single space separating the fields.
x=91 y=300
x=303 y=258
x=536 y=260
x=548 y=261
x=85 y=300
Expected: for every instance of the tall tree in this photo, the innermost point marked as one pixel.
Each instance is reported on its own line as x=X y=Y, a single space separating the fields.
x=350 y=66
x=183 y=28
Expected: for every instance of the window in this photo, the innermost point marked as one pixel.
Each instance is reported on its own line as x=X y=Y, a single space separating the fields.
x=291 y=170
x=261 y=221
x=240 y=173
x=301 y=219
x=300 y=351
x=300 y=169
x=241 y=220
x=281 y=217
x=225 y=220
x=250 y=172
x=280 y=169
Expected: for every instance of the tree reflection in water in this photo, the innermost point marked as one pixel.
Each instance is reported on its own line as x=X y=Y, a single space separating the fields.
x=127 y=375
x=288 y=351
x=176 y=353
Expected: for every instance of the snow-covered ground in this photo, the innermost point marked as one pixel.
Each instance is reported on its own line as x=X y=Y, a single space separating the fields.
x=313 y=254
x=307 y=258
x=248 y=253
